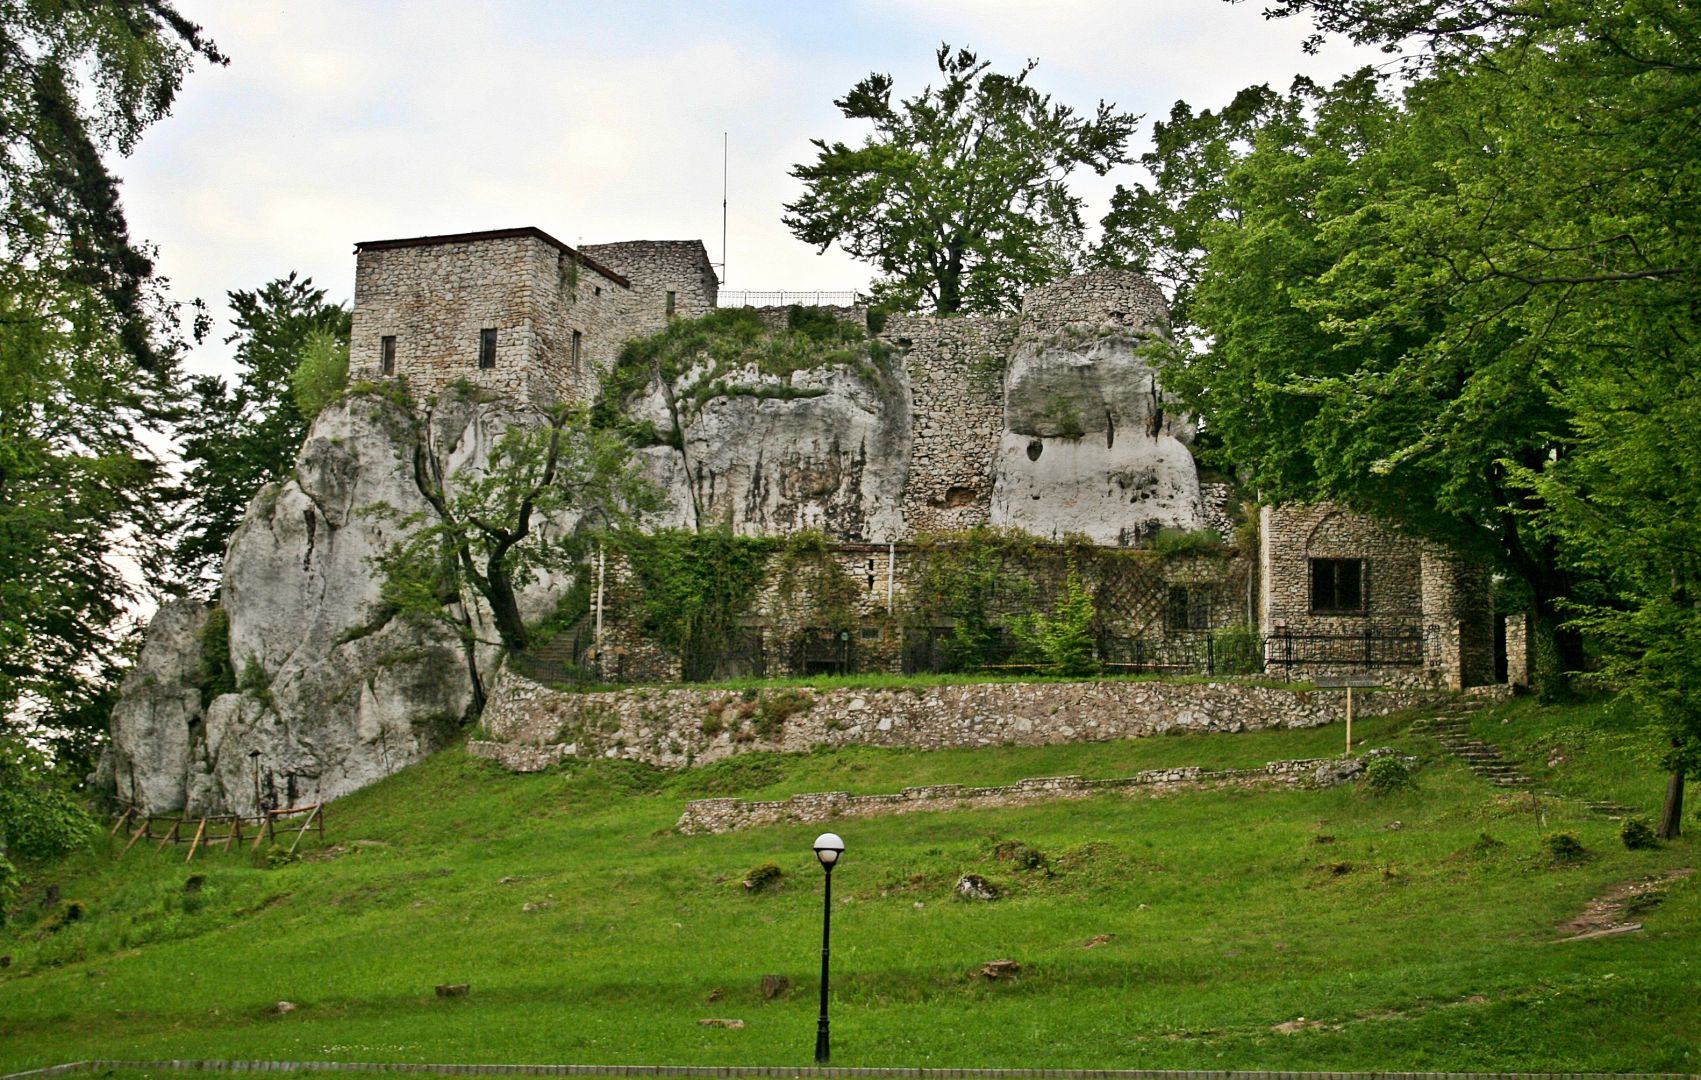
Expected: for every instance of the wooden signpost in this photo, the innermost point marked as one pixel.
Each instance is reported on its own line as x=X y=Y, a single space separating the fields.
x=1349 y=682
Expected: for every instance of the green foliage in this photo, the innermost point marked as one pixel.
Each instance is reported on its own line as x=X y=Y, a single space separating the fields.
x=1063 y=640
x=1186 y=543
x=485 y=533
x=1237 y=650
x=217 y=673
x=962 y=577
x=1563 y=847
x=1638 y=835
x=321 y=373
x=89 y=348
x=236 y=439
x=39 y=817
x=1387 y=774
x=692 y=588
x=814 y=584
x=959 y=195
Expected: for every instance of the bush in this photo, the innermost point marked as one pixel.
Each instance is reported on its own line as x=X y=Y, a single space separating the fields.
x=1022 y=856
x=761 y=878
x=1563 y=847
x=1064 y=639
x=1386 y=774
x=1638 y=835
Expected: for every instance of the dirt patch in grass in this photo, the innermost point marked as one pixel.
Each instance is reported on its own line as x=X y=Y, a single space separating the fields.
x=1611 y=912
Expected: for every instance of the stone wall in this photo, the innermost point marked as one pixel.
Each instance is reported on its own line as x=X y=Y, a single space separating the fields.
x=656 y=268
x=530 y=726
x=1458 y=621
x=729 y=815
x=955 y=369
x=435 y=298
x=1519 y=668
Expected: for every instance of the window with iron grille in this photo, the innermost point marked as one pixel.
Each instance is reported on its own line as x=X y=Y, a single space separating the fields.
x=1337 y=586
x=1187 y=608
x=487 y=348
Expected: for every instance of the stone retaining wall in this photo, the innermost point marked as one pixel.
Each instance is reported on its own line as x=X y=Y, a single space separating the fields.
x=728 y=815
x=531 y=726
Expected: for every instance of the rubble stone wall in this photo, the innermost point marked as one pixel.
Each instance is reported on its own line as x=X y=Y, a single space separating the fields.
x=530 y=726
x=956 y=370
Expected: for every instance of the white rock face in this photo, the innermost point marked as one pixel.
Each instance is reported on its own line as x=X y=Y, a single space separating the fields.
x=335 y=693
x=159 y=710
x=1088 y=446
x=772 y=465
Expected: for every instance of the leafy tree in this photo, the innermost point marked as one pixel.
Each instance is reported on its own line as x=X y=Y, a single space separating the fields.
x=1482 y=290
x=39 y=818
x=88 y=346
x=493 y=532
x=238 y=439
x=1158 y=229
x=959 y=195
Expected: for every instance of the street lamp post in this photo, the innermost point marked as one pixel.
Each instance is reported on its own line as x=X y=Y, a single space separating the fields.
x=828 y=848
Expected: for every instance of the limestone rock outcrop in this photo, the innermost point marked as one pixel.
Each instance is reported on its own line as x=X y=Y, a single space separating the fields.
x=823 y=449
x=1088 y=445
x=335 y=691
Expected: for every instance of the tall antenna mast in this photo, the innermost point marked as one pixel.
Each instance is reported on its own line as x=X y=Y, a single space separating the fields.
x=723 y=208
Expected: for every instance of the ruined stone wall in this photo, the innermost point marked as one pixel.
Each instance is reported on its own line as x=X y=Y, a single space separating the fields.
x=1102 y=298
x=710 y=816
x=955 y=369
x=436 y=298
x=655 y=268
x=531 y=726
x=1458 y=621
x=1519 y=669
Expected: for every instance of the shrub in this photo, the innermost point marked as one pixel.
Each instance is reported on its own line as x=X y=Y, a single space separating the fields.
x=760 y=878
x=1022 y=856
x=1563 y=846
x=776 y=709
x=1386 y=774
x=1638 y=835
x=1063 y=639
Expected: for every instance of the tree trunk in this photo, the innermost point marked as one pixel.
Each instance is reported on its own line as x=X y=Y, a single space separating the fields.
x=505 y=608
x=1556 y=651
x=1671 y=816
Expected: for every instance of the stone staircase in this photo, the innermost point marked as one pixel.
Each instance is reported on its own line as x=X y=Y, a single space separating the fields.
x=1451 y=727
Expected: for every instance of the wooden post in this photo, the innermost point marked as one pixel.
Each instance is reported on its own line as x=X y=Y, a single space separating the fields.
x=200 y=831
x=309 y=824
x=122 y=818
x=1349 y=721
x=141 y=831
x=170 y=837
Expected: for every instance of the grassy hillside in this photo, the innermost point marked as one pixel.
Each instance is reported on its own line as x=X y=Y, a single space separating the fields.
x=1413 y=931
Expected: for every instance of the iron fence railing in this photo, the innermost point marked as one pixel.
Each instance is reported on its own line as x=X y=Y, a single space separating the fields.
x=1365 y=650
x=781 y=297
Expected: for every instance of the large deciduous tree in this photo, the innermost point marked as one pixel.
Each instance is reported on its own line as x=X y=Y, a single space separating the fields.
x=1469 y=306
x=87 y=344
x=236 y=439
x=959 y=195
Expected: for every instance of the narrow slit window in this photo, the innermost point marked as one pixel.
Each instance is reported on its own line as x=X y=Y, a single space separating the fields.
x=672 y=299
x=578 y=343
x=1337 y=586
x=487 y=348
x=387 y=354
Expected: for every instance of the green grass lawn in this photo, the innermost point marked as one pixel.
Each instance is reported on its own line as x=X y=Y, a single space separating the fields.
x=591 y=933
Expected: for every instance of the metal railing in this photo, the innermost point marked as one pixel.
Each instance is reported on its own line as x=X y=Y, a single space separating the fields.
x=730 y=298
x=1366 y=650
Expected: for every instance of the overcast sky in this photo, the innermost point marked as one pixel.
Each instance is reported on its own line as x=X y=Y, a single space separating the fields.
x=345 y=121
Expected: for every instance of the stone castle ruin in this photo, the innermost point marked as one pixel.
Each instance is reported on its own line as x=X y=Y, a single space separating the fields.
x=1049 y=425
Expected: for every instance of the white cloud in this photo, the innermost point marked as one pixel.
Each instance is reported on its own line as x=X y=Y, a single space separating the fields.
x=338 y=122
